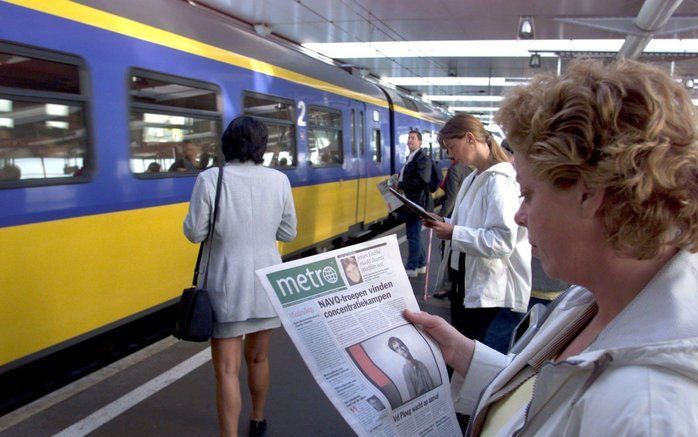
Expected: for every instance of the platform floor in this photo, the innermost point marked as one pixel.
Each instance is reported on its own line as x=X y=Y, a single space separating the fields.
x=168 y=389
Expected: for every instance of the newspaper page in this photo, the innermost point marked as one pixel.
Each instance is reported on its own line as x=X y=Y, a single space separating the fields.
x=391 y=201
x=343 y=311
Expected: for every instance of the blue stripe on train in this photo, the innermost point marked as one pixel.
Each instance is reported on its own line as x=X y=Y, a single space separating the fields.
x=108 y=58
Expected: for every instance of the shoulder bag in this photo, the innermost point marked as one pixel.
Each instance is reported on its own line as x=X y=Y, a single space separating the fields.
x=194 y=316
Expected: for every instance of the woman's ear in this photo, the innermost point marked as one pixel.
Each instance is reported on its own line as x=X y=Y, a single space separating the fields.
x=590 y=199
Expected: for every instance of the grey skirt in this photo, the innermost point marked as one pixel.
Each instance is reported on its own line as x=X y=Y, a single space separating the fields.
x=236 y=329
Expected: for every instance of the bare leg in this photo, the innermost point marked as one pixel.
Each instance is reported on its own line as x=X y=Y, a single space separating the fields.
x=226 y=364
x=257 y=359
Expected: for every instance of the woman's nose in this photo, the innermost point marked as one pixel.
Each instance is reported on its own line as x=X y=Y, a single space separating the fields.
x=520 y=217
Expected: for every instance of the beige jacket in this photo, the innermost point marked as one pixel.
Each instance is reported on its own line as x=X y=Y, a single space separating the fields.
x=638 y=377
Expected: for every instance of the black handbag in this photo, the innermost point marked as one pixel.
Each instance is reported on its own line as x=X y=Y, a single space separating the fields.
x=194 y=316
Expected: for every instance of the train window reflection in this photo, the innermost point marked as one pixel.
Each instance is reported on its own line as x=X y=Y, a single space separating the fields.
x=278 y=116
x=163 y=92
x=174 y=125
x=163 y=143
x=362 y=133
x=28 y=73
x=324 y=137
x=268 y=107
x=426 y=144
x=376 y=145
x=43 y=134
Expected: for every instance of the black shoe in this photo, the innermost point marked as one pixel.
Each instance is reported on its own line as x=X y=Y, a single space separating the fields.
x=257 y=429
x=443 y=294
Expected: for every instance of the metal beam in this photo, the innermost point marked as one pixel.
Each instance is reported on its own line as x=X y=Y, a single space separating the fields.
x=653 y=15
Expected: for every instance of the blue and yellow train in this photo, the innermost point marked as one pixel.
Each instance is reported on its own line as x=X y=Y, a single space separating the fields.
x=101 y=103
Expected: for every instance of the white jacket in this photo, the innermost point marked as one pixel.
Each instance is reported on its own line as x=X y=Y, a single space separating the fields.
x=255 y=210
x=497 y=251
x=638 y=377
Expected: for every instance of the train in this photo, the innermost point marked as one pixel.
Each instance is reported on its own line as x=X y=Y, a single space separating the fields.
x=100 y=103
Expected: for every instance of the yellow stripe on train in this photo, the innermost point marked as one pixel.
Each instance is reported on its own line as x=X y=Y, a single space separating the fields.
x=65 y=278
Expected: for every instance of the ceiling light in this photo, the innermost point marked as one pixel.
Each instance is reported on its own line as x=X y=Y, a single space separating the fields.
x=534 y=61
x=455 y=81
x=438 y=98
x=526 y=30
x=688 y=83
x=475 y=108
x=490 y=48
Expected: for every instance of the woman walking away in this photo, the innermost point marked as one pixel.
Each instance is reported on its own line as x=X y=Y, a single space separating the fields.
x=252 y=197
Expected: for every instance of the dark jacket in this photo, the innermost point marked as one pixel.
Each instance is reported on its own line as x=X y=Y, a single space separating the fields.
x=454 y=178
x=415 y=184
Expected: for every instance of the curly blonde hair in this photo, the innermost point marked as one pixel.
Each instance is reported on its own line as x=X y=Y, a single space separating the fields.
x=626 y=127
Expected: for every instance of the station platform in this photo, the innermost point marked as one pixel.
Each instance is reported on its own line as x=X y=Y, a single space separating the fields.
x=169 y=388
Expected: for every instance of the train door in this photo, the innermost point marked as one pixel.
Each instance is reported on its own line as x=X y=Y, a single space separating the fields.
x=358 y=122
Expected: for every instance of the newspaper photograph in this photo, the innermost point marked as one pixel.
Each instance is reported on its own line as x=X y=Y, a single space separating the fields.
x=343 y=311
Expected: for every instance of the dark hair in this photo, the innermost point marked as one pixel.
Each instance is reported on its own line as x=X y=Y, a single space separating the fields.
x=415 y=131
x=245 y=139
x=392 y=340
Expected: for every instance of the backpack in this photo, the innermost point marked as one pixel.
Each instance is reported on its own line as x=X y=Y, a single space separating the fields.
x=435 y=179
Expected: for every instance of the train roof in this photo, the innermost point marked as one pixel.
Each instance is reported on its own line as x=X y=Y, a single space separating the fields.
x=429 y=112
x=211 y=28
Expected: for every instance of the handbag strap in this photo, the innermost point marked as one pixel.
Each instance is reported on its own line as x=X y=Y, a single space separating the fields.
x=209 y=238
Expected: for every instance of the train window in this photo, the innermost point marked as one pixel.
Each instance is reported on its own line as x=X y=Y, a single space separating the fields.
x=43 y=128
x=324 y=137
x=174 y=125
x=352 y=125
x=278 y=115
x=376 y=145
x=426 y=144
x=362 y=133
x=409 y=104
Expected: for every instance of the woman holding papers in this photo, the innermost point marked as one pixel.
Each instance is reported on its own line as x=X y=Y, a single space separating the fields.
x=607 y=159
x=487 y=251
x=255 y=210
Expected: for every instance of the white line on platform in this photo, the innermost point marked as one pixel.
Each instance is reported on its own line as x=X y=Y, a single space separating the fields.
x=70 y=390
x=110 y=411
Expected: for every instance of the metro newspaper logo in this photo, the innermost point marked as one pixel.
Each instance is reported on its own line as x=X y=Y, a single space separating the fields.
x=298 y=283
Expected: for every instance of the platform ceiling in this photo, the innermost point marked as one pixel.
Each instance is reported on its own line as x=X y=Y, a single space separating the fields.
x=322 y=21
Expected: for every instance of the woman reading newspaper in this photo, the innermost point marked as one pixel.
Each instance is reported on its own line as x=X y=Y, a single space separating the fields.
x=607 y=160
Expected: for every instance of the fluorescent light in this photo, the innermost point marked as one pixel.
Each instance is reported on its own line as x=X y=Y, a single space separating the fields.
x=60 y=110
x=57 y=124
x=5 y=105
x=455 y=81
x=490 y=48
x=474 y=108
x=471 y=48
x=7 y=122
x=463 y=98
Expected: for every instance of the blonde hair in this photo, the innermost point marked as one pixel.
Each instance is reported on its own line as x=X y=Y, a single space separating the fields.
x=626 y=127
x=459 y=125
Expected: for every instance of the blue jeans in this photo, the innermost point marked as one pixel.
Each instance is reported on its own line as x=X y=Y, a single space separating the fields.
x=417 y=256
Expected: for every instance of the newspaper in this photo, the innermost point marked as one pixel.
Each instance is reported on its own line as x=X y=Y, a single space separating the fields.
x=343 y=311
x=391 y=201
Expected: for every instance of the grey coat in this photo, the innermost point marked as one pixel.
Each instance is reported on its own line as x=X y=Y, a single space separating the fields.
x=454 y=178
x=255 y=210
